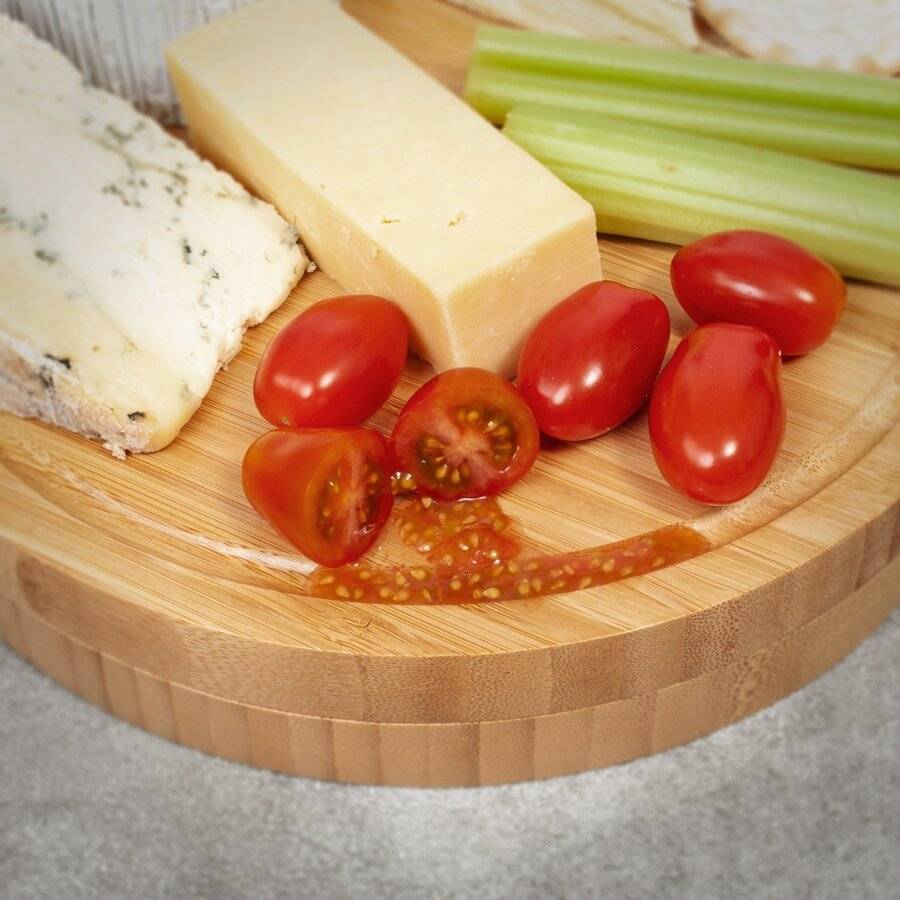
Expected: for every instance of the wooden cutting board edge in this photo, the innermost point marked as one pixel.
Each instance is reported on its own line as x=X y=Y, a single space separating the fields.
x=114 y=617
x=455 y=753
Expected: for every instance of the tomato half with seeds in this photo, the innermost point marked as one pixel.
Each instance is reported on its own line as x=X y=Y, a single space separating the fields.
x=327 y=491
x=334 y=365
x=590 y=362
x=465 y=433
x=717 y=412
x=754 y=278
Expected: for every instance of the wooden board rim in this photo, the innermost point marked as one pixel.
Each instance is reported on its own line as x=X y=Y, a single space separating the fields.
x=403 y=689
x=455 y=754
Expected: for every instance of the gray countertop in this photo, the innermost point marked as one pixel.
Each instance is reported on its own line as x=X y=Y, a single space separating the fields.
x=801 y=800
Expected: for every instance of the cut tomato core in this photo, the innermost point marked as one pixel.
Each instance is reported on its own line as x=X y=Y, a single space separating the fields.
x=466 y=433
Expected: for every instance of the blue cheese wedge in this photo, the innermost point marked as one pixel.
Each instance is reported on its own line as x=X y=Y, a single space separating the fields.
x=130 y=267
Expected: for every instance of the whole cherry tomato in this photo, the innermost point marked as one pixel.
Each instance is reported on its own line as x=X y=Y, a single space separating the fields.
x=327 y=491
x=465 y=433
x=717 y=412
x=590 y=362
x=334 y=365
x=752 y=278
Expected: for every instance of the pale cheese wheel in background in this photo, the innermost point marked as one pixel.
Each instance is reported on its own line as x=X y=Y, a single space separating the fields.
x=659 y=23
x=851 y=35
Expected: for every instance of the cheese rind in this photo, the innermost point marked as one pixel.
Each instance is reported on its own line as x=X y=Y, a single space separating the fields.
x=131 y=267
x=396 y=186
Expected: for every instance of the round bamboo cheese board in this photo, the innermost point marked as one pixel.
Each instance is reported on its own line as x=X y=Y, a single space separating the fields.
x=152 y=589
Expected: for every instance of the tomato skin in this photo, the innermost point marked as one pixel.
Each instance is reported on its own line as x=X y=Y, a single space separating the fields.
x=494 y=458
x=334 y=365
x=717 y=413
x=285 y=471
x=753 y=278
x=590 y=362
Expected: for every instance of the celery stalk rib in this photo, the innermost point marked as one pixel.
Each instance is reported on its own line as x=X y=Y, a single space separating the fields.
x=715 y=167
x=635 y=209
x=678 y=70
x=667 y=185
x=861 y=139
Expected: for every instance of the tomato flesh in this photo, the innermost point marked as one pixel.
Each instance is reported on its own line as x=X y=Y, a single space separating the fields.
x=425 y=523
x=753 y=278
x=334 y=365
x=717 y=413
x=465 y=433
x=326 y=491
x=590 y=362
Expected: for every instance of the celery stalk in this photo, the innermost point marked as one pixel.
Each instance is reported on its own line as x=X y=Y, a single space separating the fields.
x=858 y=139
x=662 y=184
x=683 y=71
x=638 y=209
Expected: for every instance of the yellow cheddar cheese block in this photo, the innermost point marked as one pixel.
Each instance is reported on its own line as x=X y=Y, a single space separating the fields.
x=396 y=186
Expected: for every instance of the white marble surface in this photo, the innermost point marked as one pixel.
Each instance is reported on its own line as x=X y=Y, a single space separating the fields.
x=799 y=801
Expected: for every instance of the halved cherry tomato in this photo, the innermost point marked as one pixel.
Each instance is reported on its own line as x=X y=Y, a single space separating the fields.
x=334 y=365
x=327 y=491
x=717 y=412
x=753 y=278
x=465 y=433
x=590 y=362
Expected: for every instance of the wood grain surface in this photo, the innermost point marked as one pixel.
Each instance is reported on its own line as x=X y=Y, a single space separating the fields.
x=152 y=589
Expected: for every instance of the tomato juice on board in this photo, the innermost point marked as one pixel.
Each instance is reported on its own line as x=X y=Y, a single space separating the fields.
x=472 y=554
